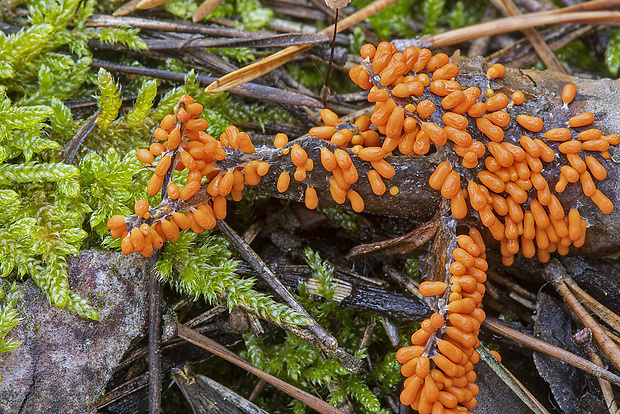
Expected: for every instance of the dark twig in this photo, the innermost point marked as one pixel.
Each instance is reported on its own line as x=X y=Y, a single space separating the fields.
x=123 y=390
x=370 y=328
x=206 y=316
x=401 y=245
x=511 y=381
x=165 y=26
x=258 y=388
x=404 y=281
x=249 y=90
x=480 y=46
x=199 y=42
x=221 y=351
x=391 y=330
x=74 y=145
x=155 y=375
x=248 y=254
x=610 y=318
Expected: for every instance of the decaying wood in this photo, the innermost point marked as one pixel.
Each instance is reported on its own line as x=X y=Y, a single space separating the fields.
x=353 y=294
x=208 y=396
x=414 y=199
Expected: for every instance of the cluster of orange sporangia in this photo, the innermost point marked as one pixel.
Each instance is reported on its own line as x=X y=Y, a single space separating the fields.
x=219 y=168
x=422 y=104
x=439 y=365
x=184 y=144
x=505 y=178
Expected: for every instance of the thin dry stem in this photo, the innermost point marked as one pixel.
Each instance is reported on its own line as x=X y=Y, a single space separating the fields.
x=542 y=49
x=608 y=347
x=257 y=390
x=511 y=24
x=205 y=9
x=256 y=262
x=583 y=338
x=205 y=343
x=556 y=274
x=406 y=282
x=511 y=381
x=610 y=318
x=551 y=350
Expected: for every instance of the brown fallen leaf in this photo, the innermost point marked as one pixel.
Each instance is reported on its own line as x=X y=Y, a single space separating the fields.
x=401 y=245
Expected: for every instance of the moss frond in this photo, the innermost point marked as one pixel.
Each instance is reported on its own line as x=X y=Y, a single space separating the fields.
x=109 y=186
x=612 y=53
x=122 y=35
x=109 y=99
x=8 y=318
x=144 y=103
x=198 y=265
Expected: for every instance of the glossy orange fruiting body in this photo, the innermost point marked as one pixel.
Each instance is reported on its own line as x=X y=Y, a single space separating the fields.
x=568 y=93
x=496 y=71
x=280 y=140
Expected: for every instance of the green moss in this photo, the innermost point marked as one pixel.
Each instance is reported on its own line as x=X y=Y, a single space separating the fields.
x=340 y=217
x=412 y=268
x=203 y=267
x=395 y=20
x=253 y=15
x=578 y=54
x=8 y=317
x=303 y=365
x=308 y=77
x=411 y=18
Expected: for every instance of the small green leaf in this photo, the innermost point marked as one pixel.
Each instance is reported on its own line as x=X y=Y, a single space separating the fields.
x=144 y=103
x=109 y=100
